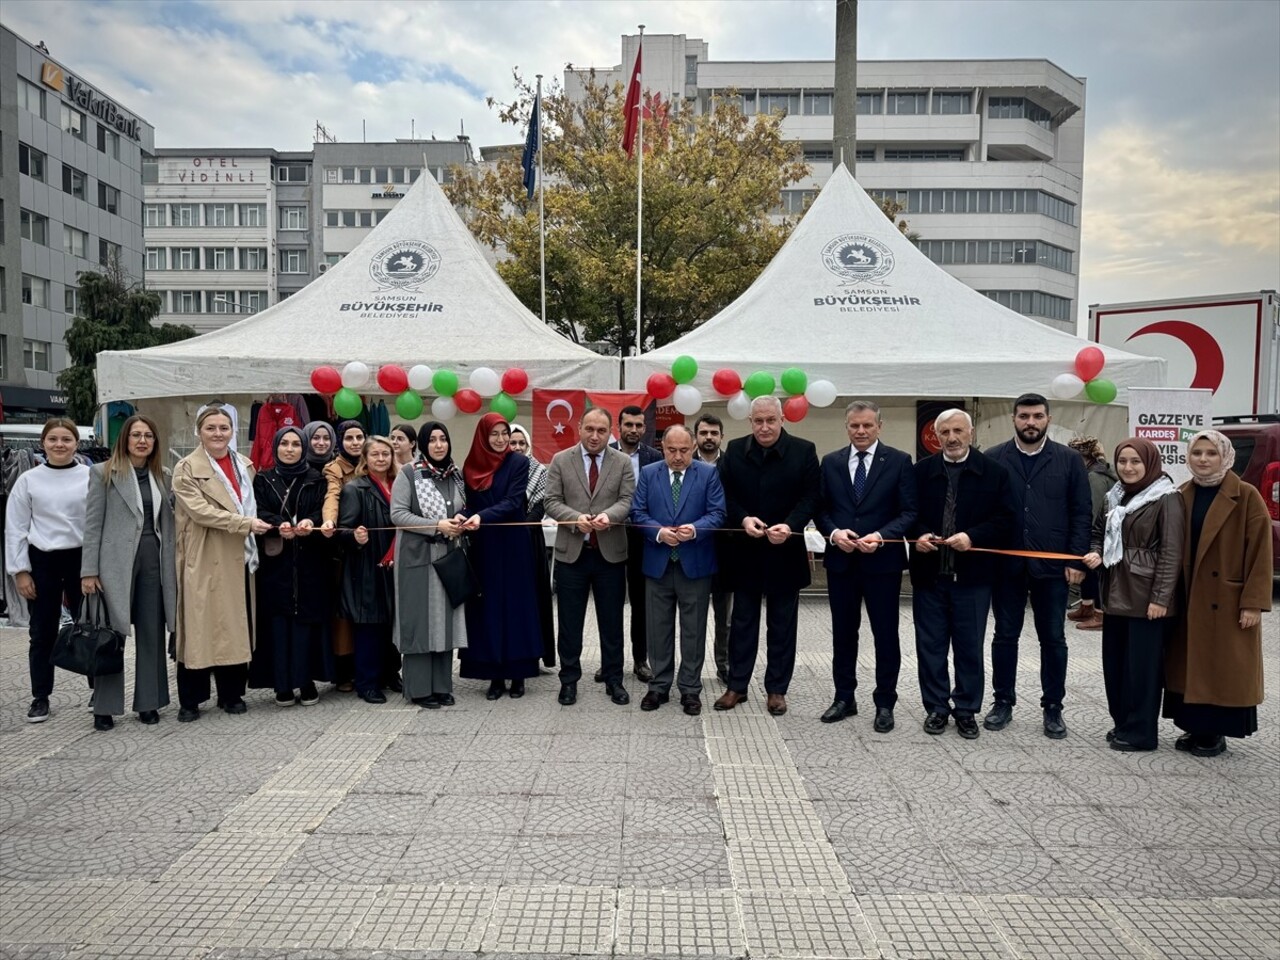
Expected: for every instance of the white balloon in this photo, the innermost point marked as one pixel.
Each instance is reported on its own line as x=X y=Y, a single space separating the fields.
x=355 y=375
x=486 y=382
x=443 y=408
x=740 y=405
x=420 y=377
x=687 y=399
x=1066 y=385
x=821 y=393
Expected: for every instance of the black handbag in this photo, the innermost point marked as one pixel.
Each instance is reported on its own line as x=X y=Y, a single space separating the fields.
x=457 y=576
x=90 y=646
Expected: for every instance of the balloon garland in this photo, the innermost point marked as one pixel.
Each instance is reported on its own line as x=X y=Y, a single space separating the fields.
x=1089 y=363
x=801 y=392
x=407 y=386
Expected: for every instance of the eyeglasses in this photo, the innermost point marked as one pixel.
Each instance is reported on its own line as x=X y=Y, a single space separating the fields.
x=142 y=436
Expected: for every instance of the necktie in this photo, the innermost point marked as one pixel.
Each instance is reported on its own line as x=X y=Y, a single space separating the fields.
x=860 y=476
x=675 y=502
x=593 y=475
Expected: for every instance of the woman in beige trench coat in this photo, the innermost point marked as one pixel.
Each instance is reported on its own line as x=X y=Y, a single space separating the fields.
x=215 y=517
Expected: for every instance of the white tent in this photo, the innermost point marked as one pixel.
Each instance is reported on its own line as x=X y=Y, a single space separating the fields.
x=849 y=299
x=416 y=290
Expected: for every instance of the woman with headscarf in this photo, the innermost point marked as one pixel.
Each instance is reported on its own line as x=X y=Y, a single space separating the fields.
x=1101 y=479
x=503 y=641
x=536 y=492
x=1213 y=670
x=425 y=502
x=404 y=440
x=215 y=514
x=293 y=588
x=320 y=443
x=338 y=472
x=1137 y=543
x=129 y=558
x=368 y=594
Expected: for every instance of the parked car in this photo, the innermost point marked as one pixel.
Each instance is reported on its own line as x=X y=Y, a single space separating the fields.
x=1257 y=444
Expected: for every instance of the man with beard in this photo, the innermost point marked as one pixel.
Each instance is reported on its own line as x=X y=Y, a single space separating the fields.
x=1052 y=512
x=708 y=432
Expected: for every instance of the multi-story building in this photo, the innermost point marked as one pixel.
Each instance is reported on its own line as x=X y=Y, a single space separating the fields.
x=986 y=157
x=70 y=200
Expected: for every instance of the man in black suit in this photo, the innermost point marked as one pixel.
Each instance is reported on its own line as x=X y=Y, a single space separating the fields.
x=964 y=502
x=1052 y=512
x=772 y=485
x=868 y=496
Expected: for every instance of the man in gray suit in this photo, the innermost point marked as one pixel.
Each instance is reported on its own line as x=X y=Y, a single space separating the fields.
x=590 y=486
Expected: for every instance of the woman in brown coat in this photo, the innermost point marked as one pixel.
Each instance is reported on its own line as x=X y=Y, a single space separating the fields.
x=1213 y=671
x=1138 y=544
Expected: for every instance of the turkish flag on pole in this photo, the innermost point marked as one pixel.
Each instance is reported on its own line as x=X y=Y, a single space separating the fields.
x=555 y=421
x=631 y=109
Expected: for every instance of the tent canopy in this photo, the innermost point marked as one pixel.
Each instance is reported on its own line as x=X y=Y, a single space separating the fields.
x=416 y=290
x=849 y=299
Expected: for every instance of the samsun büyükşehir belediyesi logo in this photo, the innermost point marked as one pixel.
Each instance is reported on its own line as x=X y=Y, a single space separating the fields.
x=857 y=258
x=405 y=265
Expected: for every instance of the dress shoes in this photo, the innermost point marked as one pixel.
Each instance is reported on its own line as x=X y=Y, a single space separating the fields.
x=235 y=707
x=103 y=721
x=776 y=704
x=599 y=676
x=884 y=720
x=1124 y=746
x=496 y=689
x=967 y=727
x=642 y=672
x=445 y=699
x=149 y=717
x=568 y=694
x=838 y=710
x=1055 y=728
x=372 y=696
x=935 y=723
x=431 y=702
x=653 y=700
x=999 y=716
x=691 y=704
x=188 y=714
x=618 y=694
x=517 y=689
x=729 y=699
x=1208 y=746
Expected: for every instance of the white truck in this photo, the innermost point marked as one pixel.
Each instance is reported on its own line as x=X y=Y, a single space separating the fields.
x=1229 y=344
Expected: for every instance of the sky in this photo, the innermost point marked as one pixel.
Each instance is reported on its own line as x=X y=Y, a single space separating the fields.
x=1182 y=111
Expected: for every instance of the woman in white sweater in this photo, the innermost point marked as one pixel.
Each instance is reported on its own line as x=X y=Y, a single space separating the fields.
x=44 y=533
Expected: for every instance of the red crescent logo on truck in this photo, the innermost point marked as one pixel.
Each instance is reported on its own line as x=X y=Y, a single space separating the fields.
x=1209 y=361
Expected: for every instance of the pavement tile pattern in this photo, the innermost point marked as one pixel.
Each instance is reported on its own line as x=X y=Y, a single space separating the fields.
x=527 y=830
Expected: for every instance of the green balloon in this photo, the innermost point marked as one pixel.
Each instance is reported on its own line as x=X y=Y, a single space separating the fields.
x=684 y=369
x=409 y=405
x=759 y=384
x=1100 y=391
x=445 y=382
x=504 y=406
x=347 y=403
x=794 y=381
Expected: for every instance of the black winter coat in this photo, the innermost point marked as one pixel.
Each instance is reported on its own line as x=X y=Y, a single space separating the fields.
x=1052 y=509
x=368 y=593
x=983 y=511
x=293 y=583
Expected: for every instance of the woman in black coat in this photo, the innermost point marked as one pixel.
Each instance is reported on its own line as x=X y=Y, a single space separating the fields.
x=368 y=592
x=294 y=650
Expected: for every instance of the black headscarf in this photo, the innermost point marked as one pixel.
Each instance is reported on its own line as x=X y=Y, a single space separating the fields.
x=318 y=460
x=437 y=468
x=290 y=469
x=343 y=427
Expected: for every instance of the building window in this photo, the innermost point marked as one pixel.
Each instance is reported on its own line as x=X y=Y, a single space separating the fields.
x=293 y=218
x=219 y=215
x=366 y=218
x=293 y=261
x=108 y=198
x=4 y=303
x=819 y=155
x=4 y=341
x=35 y=355
x=907 y=103
x=31 y=162
x=253 y=258
x=348 y=218
x=1008 y=252
x=30 y=98
x=818 y=103
x=73 y=182
x=187 y=301
x=108 y=252
x=150 y=171
x=184 y=215
x=157 y=259
x=982 y=201
x=251 y=301
x=155 y=215
x=332 y=218
x=295 y=173
x=788 y=103
x=795 y=201
x=413 y=174
x=865 y=154
x=331 y=259
x=220 y=302
x=690 y=70
x=1 y=221
x=870 y=103
x=1032 y=303
x=71 y=301
x=1018 y=108
x=108 y=142
x=75 y=242
x=348 y=175
x=185 y=258
x=35 y=290
x=952 y=103
x=34 y=227
x=366 y=175
x=72 y=121
x=253 y=214
x=917 y=156
x=219 y=258
x=380 y=215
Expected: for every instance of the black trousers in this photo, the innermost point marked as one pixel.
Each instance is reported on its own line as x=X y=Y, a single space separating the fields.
x=950 y=617
x=55 y=573
x=636 y=594
x=1048 y=609
x=590 y=575
x=194 y=685
x=781 y=616
x=374 y=654
x=847 y=591
x=1133 y=674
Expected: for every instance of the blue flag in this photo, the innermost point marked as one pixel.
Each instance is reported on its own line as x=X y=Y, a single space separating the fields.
x=529 y=159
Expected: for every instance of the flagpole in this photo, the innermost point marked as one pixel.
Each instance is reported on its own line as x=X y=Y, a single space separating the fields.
x=542 y=222
x=640 y=188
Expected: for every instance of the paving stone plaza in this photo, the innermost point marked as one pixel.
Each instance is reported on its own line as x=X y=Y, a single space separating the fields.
x=527 y=829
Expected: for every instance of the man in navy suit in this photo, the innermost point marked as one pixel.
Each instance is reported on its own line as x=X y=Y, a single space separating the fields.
x=868 y=496
x=677 y=506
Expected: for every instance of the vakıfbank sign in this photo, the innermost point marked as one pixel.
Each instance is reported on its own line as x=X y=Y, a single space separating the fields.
x=83 y=96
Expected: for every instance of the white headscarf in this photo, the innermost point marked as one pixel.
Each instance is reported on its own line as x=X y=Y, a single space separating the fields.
x=1225 y=448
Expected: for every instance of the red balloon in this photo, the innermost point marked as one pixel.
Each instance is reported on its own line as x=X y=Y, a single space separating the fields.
x=1089 y=363
x=795 y=408
x=326 y=380
x=515 y=381
x=393 y=379
x=661 y=385
x=726 y=382
x=468 y=400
